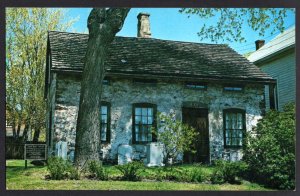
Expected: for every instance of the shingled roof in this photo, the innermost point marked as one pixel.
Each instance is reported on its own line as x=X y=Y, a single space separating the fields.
x=149 y=57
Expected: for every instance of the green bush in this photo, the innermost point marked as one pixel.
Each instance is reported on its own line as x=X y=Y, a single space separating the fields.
x=131 y=171
x=73 y=172
x=57 y=168
x=270 y=149
x=160 y=174
x=97 y=170
x=176 y=137
x=196 y=175
x=227 y=171
x=217 y=177
x=178 y=175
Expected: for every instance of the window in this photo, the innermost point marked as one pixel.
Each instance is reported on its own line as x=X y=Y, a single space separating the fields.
x=105 y=81
x=234 y=127
x=143 y=121
x=195 y=85
x=148 y=82
x=236 y=88
x=105 y=122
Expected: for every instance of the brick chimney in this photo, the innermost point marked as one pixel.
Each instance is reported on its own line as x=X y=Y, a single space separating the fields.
x=259 y=44
x=143 y=26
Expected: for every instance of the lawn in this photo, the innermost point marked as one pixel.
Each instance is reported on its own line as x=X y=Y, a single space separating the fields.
x=33 y=178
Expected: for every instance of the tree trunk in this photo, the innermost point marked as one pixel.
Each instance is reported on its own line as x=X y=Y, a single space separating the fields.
x=14 y=129
x=19 y=129
x=36 y=134
x=103 y=24
x=25 y=132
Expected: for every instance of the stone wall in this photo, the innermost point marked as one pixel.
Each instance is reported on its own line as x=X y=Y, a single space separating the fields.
x=168 y=96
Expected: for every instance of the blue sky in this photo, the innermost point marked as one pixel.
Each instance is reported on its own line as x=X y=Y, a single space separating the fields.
x=169 y=24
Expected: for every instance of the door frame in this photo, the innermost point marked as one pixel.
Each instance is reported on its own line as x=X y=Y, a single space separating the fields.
x=207 y=122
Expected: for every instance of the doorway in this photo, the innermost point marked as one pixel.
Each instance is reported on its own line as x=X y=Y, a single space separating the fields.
x=198 y=119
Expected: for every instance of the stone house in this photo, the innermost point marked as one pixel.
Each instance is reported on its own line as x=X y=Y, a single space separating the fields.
x=278 y=59
x=209 y=86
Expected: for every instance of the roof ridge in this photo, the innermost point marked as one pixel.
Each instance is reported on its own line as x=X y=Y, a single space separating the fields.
x=151 y=38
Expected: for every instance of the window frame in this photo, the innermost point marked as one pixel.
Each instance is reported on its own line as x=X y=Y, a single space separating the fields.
x=144 y=82
x=154 y=124
x=106 y=81
x=108 y=124
x=233 y=86
x=236 y=111
x=189 y=85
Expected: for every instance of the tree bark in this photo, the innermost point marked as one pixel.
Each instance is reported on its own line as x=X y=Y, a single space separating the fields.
x=36 y=135
x=103 y=24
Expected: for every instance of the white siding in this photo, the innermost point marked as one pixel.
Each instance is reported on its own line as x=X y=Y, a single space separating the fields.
x=284 y=71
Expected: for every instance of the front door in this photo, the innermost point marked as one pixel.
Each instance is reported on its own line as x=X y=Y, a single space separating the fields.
x=198 y=119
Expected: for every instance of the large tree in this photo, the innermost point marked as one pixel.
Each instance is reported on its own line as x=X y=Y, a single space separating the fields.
x=228 y=22
x=26 y=35
x=103 y=24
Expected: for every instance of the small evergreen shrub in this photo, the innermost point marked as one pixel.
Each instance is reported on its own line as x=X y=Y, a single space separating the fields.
x=73 y=172
x=131 y=171
x=217 y=177
x=227 y=171
x=57 y=168
x=197 y=175
x=160 y=175
x=97 y=170
x=175 y=174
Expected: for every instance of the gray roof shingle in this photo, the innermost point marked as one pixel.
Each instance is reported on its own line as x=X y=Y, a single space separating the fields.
x=154 y=57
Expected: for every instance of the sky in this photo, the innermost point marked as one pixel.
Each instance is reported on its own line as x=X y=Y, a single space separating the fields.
x=169 y=24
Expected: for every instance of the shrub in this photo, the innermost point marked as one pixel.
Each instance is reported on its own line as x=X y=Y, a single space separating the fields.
x=160 y=175
x=97 y=170
x=57 y=168
x=176 y=137
x=217 y=177
x=270 y=149
x=227 y=171
x=175 y=174
x=73 y=172
x=131 y=171
x=196 y=175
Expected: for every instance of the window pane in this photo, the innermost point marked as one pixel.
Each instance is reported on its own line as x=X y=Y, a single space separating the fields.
x=144 y=111
x=227 y=121
x=150 y=120
x=240 y=142
x=144 y=120
x=240 y=121
x=103 y=118
x=227 y=141
x=233 y=121
x=103 y=133
x=137 y=119
x=240 y=134
x=150 y=111
x=227 y=133
x=233 y=133
x=138 y=111
x=234 y=142
x=103 y=109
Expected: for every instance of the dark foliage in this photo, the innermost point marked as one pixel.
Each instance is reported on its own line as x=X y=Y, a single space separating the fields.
x=270 y=150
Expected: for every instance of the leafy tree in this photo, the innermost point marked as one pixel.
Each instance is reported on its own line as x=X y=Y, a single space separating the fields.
x=103 y=24
x=270 y=149
x=229 y=22
x=176 y=137
x=26 y=35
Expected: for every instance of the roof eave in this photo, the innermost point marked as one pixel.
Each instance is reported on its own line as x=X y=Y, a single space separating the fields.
x=177 y=77
x=272 y=55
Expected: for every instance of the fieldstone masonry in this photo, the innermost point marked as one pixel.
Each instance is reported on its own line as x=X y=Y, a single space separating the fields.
x=169 y=96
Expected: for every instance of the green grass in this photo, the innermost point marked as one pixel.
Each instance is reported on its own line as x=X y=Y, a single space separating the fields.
x=33 y=178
